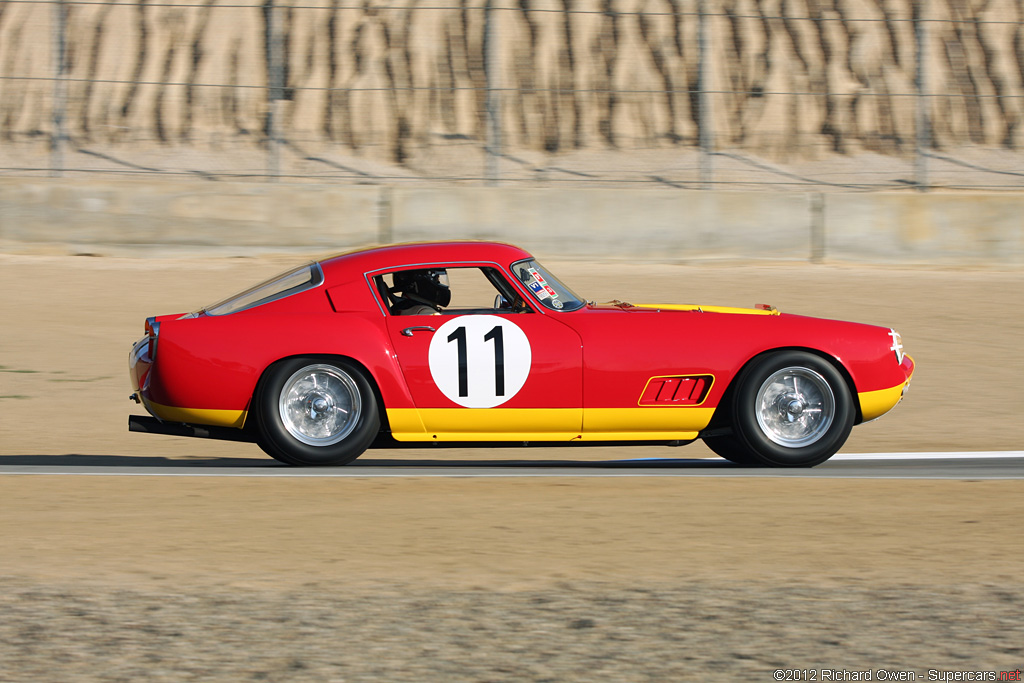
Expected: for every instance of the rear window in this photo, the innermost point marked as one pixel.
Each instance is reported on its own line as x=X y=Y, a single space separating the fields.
x=291 y=282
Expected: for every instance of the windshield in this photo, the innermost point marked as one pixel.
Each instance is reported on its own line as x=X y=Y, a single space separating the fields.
x=291 y=282
x=545 y=287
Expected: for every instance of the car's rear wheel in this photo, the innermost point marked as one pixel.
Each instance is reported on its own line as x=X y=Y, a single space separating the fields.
x=316 y=412
x=789 y=409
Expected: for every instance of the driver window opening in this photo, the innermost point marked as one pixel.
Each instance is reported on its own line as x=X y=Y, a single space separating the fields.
x=448 y=291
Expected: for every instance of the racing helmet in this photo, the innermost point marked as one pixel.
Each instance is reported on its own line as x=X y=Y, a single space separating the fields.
x=427 y=286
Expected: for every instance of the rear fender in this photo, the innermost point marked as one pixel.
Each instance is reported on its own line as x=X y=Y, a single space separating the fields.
x=215 y=363
x=327 y=358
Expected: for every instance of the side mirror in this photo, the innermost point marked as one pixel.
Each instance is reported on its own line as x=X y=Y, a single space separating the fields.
x=501 y=303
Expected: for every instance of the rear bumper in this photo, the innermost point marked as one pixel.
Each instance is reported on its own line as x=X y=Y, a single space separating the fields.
x=151 y=425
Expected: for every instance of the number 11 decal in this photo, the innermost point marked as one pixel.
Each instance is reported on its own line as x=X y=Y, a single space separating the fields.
x=497 y=337
x=465 y=349
x=459 y=335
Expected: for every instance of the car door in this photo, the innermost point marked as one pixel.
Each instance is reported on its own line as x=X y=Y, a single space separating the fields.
x=652 y=375
x=488 y=374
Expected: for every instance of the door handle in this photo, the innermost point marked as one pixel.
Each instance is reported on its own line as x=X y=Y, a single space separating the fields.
x=407 y=332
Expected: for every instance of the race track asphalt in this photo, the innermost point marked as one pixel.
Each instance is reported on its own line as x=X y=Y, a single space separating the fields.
x=963 y=466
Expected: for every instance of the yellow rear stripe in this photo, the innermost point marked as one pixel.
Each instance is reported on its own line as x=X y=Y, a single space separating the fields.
x=199 y=416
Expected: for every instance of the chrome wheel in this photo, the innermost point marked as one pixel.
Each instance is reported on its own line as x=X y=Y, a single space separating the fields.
x=320 y=405
x=795 y=407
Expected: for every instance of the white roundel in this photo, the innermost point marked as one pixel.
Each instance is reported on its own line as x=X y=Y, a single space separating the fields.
x=479 y=361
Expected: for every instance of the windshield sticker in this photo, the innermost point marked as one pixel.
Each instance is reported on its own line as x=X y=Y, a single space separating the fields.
x=538 y=290
x=556 y=303
x=539 y=286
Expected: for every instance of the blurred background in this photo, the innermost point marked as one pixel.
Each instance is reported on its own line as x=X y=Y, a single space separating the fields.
x=831 y=95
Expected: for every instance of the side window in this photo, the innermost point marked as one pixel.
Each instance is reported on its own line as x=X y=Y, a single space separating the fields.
x=448 y=291
x=471 y=288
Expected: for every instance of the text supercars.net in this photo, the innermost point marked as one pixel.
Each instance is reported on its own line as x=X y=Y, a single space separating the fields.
x=893 y=675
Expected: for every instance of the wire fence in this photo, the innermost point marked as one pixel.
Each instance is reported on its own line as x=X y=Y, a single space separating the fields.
x=723 y=94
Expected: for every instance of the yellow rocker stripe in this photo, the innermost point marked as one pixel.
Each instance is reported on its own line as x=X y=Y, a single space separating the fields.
x=484 y=424
x=548 y=424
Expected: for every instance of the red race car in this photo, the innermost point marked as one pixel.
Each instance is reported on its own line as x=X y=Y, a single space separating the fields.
x=476 y=343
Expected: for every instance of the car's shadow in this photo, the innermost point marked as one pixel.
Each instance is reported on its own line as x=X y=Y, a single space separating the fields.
x=100 y=462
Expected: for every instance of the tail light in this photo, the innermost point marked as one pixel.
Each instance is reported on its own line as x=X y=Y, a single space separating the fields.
x=153 y=330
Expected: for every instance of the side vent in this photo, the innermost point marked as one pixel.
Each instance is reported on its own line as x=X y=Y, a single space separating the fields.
x=679 y=390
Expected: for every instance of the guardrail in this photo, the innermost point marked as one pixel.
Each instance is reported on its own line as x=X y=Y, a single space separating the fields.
x=666 y=225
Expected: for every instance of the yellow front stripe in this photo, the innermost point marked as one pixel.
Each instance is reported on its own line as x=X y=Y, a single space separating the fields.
x=874 y=404
x=709 y=309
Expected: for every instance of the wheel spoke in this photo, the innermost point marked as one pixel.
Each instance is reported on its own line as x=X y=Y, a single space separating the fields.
x=796 y=407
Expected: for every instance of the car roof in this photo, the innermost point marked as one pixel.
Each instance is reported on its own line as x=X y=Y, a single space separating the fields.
x=412 y=254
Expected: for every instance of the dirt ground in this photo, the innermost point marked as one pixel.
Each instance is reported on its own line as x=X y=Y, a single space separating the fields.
x=129 y=578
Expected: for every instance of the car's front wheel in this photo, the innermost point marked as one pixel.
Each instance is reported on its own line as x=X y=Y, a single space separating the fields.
x=316 y=412
x=789 y=409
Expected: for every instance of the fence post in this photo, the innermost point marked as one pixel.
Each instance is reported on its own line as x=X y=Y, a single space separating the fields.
x=60 y=88
x=923 y=132
x=704 y=96
x=385 y=215
x=817 y=227
x=275 y=88
x=492 y=75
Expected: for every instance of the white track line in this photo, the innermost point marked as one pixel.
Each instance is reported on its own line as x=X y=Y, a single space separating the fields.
x=965 y=455
x=488 y=472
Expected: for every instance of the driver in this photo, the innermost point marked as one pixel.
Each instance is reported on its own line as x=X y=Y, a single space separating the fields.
x=423 y=292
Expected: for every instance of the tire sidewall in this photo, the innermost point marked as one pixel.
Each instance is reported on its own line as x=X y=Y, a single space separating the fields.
x=275 y=439
x=749 y=432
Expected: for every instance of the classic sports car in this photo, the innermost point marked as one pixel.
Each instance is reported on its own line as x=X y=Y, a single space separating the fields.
x=476 y=343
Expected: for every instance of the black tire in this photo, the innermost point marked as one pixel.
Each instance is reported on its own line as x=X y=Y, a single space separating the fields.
x=730 y=448
x=790 y=409
x=316 y=411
